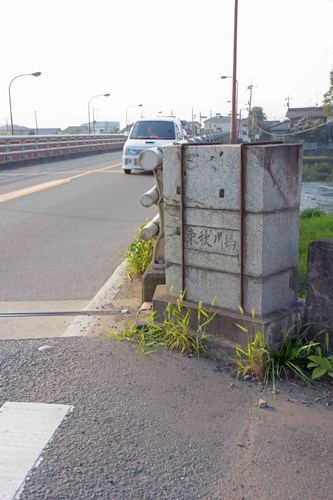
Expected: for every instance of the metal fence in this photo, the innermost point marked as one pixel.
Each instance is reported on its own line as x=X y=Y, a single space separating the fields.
x=314 y=146
x=18 y=148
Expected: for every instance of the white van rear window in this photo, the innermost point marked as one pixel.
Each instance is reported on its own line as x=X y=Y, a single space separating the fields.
x=151 y=129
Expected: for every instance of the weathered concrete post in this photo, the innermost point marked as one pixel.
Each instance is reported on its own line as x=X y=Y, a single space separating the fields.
x=319 y=297
x=231 y=230
x=152 y=159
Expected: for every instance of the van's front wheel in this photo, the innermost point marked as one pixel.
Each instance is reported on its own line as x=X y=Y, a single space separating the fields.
x=127 y=171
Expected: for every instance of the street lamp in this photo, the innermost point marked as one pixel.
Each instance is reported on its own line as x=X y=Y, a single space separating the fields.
x=132 y=106
x=93 y=97
x=37 y=73
x=234 y=106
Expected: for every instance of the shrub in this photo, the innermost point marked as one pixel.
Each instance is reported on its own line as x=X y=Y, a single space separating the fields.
x=309 y=213
x=317 y=171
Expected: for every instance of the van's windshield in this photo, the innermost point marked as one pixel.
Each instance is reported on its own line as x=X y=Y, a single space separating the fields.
x=151 y=129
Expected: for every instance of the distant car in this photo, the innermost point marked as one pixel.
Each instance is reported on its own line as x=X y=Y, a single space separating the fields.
x=149 y=133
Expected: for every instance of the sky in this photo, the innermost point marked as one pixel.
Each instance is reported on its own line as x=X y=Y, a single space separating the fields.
x=168 y=56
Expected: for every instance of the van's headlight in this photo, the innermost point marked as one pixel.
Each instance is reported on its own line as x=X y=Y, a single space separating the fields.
x=130 y=152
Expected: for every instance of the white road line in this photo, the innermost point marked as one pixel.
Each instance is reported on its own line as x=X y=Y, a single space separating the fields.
x=25 y=430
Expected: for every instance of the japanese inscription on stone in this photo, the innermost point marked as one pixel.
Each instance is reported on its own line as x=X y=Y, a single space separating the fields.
x=206 y=239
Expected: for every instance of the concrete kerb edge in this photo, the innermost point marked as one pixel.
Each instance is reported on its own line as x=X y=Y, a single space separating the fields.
x=81 y=326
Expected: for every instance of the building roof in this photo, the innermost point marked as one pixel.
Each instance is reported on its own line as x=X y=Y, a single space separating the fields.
x=279 y=126
x=218 y=119
x=313 y=112
x=72 y=129
x=16 y=127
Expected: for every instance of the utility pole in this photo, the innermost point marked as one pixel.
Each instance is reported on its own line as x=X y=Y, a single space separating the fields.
x=288 y=99
x=250 y=87
x=233 y=130
x=36 y=123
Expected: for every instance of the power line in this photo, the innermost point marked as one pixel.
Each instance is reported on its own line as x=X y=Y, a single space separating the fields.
x=285 y=134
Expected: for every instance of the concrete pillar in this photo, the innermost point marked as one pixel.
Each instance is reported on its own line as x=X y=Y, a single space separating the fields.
x=212 y=229
x=239 y=240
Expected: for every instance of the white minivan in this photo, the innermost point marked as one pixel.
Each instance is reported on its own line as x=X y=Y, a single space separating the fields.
x=149 y=133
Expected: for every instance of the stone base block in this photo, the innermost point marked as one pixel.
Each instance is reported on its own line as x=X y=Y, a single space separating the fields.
x=319 y=297
x=150 y=279
x=223 y=330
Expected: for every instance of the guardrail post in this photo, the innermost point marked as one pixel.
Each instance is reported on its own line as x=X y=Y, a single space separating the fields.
x=152 y=159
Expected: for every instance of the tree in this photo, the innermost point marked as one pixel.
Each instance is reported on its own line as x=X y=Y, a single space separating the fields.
x=255 y=121
x=310 y=130
x=328 y=98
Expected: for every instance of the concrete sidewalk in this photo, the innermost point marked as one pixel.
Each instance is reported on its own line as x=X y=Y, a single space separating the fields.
x=164 y=426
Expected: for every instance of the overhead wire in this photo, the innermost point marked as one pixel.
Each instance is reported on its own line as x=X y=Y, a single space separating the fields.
x=285 y=134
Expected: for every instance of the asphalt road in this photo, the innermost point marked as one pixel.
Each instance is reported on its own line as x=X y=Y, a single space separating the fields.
x=63 y=229
x=164 y=427
x=64 y=242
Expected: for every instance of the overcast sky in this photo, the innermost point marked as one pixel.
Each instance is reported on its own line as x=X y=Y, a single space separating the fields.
x=168 y=56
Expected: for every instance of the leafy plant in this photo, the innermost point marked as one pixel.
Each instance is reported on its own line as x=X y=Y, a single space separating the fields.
x=139 y=255
x=174 y=332
x=252 y=359
x=290 y=358
x=147 y=337
x=322 y=365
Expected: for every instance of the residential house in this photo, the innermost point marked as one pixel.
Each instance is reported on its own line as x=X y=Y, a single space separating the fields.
x=18 y=130
x=47 y=131
x=75 y=130
x=217 y=124
x=100 y=127
x=315 y=113
x=275 y=131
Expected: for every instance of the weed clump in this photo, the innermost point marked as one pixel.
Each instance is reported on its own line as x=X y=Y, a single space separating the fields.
x=138 y=255
x=174 y=333
x=295 y=355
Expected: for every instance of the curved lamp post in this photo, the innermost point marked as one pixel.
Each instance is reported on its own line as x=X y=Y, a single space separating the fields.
x=234 y=104
x=132 y=106
x=91 y=98
x=37 y=73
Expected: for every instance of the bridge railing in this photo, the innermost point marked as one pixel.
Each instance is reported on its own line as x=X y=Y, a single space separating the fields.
x=21 y=147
